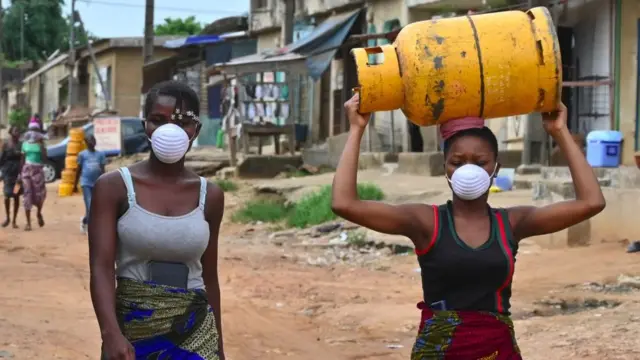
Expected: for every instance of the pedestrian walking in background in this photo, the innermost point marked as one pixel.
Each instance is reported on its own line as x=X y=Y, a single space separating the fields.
x=10 y=164
x=466 y=249
x=34 y=153
x=91 y=165
x=159 y=224
x=34 y=131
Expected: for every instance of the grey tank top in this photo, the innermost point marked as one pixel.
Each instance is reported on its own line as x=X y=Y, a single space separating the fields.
x=144 y=236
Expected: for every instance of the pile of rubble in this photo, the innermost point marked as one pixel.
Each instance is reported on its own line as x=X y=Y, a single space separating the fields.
x=337 y=243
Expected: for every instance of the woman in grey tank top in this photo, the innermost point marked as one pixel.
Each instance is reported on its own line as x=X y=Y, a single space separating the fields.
x=158 y=223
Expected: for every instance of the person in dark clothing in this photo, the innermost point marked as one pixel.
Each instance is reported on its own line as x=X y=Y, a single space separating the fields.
x=416 y=143
x=466 y=249
x=10 y=163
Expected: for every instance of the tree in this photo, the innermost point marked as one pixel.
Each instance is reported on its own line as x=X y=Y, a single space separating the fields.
x=19 y=117
x=45 y=29
x=177 y=26
x=81 y=37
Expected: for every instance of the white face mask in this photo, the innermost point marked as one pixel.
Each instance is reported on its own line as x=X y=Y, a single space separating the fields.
x=169 y=143
x=470 y=181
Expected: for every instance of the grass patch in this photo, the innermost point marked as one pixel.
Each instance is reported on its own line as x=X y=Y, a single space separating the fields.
x=226 y=185
x=357 y=238
x=315 y=208
x=265 y=210
x=297 y=173
x=312 y=209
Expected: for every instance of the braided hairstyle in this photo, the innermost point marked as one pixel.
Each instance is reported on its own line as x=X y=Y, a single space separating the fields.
x=186 y=97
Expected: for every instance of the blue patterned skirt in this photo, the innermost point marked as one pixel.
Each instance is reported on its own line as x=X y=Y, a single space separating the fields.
x=164 y=322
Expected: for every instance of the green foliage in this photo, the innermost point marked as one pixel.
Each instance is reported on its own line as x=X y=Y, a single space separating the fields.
x=226 y=185
x=19 y=117
x=46 y=29
x=357 y=238
x=265 y=210
x=312 y=209
x=177 y=26
x=315 y=208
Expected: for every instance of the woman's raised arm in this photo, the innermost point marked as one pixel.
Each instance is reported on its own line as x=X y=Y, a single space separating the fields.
x=530 y=221
x=411 y=220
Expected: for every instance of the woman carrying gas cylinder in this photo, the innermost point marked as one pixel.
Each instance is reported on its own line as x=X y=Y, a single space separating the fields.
x=466 y=249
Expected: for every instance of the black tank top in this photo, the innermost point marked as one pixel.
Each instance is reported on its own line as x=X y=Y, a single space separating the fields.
x=463 y=278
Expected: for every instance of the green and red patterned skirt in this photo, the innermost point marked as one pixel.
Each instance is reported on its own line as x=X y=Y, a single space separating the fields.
x=464 y=335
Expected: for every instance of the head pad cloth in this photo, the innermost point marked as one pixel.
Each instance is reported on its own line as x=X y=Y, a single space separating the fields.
x=449 y=128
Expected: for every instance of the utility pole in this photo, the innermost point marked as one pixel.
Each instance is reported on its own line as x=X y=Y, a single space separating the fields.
x=22 y=39
x=105 y=92
x=1 y=66
x=147 y=50
x=289 y=15
x=528 y=128
x=72 y=57
x=22 y=32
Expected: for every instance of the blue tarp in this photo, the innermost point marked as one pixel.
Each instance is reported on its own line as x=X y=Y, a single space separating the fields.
x=317 y=49
x=202 y=39
x=321 y=45
x=193 y=40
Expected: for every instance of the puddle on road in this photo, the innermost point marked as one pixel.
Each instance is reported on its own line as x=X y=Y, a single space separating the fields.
x=625 y=284
x=554 y=307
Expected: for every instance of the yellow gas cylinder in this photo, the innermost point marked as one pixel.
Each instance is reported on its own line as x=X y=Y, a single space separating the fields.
x=71 y=162
x=76 y=134
x=65 y=189
x=68 y=176
x=74 y=148
x=489 y=65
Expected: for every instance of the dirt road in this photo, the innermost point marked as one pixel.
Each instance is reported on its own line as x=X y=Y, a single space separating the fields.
x=277 y=306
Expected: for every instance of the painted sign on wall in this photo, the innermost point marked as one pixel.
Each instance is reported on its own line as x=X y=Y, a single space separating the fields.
x=108 y=134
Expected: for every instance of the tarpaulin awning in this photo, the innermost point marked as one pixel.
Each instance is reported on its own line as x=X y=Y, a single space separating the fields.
x=316 y=49
x=201 y=40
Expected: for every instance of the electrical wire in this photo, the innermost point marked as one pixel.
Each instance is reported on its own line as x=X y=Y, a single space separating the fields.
x=163 y=8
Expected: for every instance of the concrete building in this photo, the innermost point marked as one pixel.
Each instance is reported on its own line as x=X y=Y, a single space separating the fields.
x=599 y=44
x=47 y=87
x=627 y=91
x=119 y=62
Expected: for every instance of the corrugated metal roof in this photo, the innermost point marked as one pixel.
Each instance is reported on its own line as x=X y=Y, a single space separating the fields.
x=136 y=41
x=46 y=67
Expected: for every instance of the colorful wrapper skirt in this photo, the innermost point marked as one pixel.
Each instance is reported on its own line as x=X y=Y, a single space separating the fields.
x=164 y=322
x=464 y=335
x=35 y=188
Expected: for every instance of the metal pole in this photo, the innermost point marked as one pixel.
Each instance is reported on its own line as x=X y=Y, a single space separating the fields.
x=526 y=137
x=393 y=132
x=310 y=112
x=148 y=32
x=289 y=15
x=22 y=32
x=105 y=93
x=22 y=40
x=367 y=133
x=72 y=56
x=1 y=68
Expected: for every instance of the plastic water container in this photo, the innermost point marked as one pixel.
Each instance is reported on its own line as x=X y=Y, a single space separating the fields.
x=505 y=178
x=603 y=148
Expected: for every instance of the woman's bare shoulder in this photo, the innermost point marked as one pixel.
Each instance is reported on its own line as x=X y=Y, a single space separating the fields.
x=112 y=183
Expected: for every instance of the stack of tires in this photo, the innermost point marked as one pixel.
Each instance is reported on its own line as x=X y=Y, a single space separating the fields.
x=75 y=145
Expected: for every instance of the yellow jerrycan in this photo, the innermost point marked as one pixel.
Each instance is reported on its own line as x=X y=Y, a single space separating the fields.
x=489 y=65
